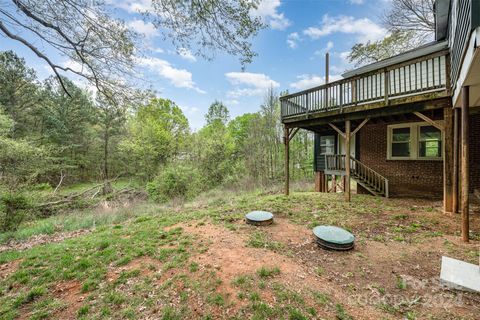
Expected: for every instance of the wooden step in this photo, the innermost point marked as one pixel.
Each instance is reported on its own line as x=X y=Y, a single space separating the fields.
x=368 y=187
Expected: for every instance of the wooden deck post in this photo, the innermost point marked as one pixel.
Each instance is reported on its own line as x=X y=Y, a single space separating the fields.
x=448 y=160
x=456 y=142
x=287 y=160
x=347 y=161
x=464 y=164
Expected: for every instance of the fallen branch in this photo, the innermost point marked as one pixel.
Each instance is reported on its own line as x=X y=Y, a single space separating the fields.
x=96 y=193
x=60 y=182
x=73 y=196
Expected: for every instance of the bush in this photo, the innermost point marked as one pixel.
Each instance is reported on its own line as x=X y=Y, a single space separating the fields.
x=175 y=182
x=13 y=209
x=42 y=187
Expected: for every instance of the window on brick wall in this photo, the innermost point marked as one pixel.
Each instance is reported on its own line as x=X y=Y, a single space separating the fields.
x=401 y=142
x=414 y=141
x=429 y=142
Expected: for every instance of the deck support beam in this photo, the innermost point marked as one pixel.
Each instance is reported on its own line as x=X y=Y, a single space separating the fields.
x=334 y=127
x=286 y=140
x=464 y=164
x=347 y=161
x=430 y=121
x=448 y=160
x=360 y=126
x=292 y=134
x=456 y=143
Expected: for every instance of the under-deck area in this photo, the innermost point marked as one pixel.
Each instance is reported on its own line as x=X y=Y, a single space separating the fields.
x=397 y=119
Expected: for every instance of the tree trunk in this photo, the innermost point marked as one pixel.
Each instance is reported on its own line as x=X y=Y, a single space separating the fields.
x=107 y=187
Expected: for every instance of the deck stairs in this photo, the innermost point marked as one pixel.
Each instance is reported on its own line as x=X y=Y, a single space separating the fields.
x=365 y=176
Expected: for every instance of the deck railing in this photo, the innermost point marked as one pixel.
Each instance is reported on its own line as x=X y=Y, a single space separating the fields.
x=359 y=171
x=423 y=75
x=461 y=24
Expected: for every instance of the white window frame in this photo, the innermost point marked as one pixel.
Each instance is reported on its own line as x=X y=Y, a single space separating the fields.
x=442 y=141
x=414 y=141
x=324 y=145
x=390 y=141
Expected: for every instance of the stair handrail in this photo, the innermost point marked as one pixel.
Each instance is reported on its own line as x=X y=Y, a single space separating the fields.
x=381 y=178
x=337 y=162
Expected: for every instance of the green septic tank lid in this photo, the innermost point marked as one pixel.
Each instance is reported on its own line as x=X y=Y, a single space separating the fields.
x=333 y=235
x=259 y=216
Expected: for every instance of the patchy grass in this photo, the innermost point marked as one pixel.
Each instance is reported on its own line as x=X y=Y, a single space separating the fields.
x=259 y=239
x=266 y=272
x=143 y=262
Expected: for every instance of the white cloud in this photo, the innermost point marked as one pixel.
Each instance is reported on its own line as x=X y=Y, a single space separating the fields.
x=249 y=84
x=189 y=110
x=293 y=39
x=327 y=48
x=344 y=55
x=179 y=78
x=147 y=29
x=267 y=10
x=157 y=50
x=232 y=102
x=79 y=80
x=343 y=64
x=356 y=1
x=132 y=6
x=186 y=54
x=364 y=29
x=306 y=81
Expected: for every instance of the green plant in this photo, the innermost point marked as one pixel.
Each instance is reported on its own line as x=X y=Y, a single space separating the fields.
x=174 y=182
x=321 y=298
x=13 y=208
x=401 y=283
x=265 y=272
x=319 y=271
x=259 y=239
x=341 y=313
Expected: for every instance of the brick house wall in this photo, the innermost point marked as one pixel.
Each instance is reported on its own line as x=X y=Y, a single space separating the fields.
x=418 y=178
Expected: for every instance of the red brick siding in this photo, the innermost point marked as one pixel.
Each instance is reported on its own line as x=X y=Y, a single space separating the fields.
x=419 y=178
x=406 y=177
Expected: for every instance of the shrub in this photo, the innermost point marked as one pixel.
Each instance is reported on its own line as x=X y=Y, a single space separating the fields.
x=174 y=182
x=13 y=209
x=42 y=187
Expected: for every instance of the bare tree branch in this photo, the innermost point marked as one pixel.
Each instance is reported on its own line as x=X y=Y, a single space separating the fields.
x=102 y=49
x=411 y=16
x=36 y=51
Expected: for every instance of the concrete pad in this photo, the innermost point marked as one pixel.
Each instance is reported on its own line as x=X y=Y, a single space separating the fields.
x=460 y=275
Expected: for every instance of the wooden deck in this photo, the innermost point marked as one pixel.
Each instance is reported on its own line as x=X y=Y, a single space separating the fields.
x=414 y=83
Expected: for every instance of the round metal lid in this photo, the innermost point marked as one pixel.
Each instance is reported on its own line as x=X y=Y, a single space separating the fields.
x=333 y=234
x=259 y=216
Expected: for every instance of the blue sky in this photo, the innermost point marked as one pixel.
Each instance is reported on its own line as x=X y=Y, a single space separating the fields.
x=290 y=54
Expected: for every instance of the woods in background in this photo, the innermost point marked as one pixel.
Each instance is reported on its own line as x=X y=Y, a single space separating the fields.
x=47 y=136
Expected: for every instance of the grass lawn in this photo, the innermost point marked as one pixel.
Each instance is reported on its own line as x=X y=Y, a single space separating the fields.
x=201 y=261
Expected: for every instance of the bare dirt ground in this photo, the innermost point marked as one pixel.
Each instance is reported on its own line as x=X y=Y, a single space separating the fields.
x=228 y=254
x=375 y=280
x=392 y=273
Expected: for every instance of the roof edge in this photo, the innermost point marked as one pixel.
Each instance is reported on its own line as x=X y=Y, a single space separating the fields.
x=409 y=55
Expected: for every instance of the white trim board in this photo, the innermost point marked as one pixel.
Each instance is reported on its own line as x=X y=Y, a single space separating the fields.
x=467 y=61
